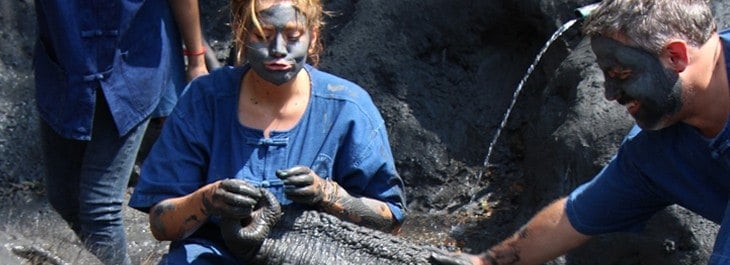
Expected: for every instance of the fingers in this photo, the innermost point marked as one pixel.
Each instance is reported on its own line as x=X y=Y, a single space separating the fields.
x=299 y=180
x=237 y=198
x=235 y=209
x=238 y=186
x=293 y=171
x=449 y=259
x=307 y=194
x=438 y=257
x=301 y=184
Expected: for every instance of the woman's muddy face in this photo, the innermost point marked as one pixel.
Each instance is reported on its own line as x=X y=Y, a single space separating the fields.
x=279 y=52
x=639 y=81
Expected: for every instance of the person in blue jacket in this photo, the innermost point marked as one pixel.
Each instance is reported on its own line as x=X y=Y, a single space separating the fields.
x=313 y=139
x=666 y=63
x=101 y=68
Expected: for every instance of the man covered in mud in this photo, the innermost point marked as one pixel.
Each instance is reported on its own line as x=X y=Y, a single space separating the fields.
x=667 y=64
x=274 y=122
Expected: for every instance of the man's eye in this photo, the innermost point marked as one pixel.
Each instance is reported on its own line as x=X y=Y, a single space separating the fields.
x=618 y=73
x=623 y=75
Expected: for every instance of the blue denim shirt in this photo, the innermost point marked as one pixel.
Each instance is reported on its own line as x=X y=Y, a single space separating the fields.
x=127 y=49
x=341 y=136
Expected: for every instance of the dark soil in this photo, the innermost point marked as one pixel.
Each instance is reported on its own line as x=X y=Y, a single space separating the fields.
x=443 y=75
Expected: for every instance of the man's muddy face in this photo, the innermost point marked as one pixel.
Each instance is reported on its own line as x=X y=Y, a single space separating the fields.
x=638 y=80
x=279 y=53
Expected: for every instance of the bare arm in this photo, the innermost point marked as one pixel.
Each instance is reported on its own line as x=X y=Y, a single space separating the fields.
x=546 y=236
x=363 y=211
x=177 y=218
x=187 y=17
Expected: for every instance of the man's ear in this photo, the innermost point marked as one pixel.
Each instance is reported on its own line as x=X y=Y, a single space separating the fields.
x=677 y=53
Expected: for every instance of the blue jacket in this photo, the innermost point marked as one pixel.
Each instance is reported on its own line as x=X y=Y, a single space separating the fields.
x=127 y=49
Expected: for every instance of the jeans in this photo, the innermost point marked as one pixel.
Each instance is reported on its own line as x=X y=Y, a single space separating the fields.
x=86 y=182
x=198 y=251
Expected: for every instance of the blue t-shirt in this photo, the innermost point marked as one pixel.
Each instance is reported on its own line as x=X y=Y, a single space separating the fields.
x=655 y=169
x=127 y=49
x=341 y=136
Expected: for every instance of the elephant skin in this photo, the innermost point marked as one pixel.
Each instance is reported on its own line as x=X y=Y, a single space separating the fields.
x=309 y=237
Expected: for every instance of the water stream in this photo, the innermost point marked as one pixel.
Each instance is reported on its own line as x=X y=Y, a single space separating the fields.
x=552 y=39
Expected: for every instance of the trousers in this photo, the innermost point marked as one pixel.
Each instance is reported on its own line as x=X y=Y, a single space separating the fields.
x=86 y=182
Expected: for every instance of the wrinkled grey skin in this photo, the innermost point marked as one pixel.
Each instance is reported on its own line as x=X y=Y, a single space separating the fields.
x=308 y=237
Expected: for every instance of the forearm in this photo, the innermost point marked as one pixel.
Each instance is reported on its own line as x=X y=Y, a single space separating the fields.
x=177 y=218
x=187 y=18
x=546 y=236
x=363 y=211
x=306 y=187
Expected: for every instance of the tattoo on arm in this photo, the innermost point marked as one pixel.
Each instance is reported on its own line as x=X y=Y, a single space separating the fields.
x=159 y=211
x=157 y=221
x=523 y=233
x=207 y=204
x=490 y=258
x=361 y=212
x=509 y=253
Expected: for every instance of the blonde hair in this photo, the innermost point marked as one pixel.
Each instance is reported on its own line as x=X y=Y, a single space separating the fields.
x=650 y=24
x=243 y=14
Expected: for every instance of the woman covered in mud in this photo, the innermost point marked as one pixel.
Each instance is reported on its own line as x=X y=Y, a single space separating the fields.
x=275 y=122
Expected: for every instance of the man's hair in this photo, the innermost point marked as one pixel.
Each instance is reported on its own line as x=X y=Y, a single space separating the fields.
x=245 y=19
x=650 y=24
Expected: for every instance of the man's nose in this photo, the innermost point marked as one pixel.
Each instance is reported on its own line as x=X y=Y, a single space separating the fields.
x=611 y=91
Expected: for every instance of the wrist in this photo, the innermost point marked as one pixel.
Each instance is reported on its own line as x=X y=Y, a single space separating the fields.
x=194 y=52
x=330 y=198
x=486 y=258
x=196 y=64
x=205 y=198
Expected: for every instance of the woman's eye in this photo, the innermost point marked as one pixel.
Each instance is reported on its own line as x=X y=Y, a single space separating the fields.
x=294 y=35
x=262 y=36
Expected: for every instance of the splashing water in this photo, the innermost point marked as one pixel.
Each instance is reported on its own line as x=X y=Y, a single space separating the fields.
x=554 y=37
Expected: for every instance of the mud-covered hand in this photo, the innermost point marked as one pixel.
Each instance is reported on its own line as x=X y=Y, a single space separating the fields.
x=441 y=258
x=244 y=237
x=302 y=185
x=231 y=198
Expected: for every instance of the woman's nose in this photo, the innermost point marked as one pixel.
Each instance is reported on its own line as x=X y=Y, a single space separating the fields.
x=278 y=46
